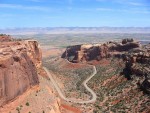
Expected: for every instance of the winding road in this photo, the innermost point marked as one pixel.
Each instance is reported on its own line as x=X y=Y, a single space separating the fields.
x=93 y=99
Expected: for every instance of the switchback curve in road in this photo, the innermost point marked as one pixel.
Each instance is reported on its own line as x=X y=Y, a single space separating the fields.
x=93 y=99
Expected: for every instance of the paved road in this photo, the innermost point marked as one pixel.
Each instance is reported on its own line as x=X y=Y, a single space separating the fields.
x=84 y=83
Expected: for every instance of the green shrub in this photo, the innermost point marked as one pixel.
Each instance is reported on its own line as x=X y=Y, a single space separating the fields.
x=27 y=104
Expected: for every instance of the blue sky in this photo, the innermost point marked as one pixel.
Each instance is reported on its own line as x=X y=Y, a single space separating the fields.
x=74 y=13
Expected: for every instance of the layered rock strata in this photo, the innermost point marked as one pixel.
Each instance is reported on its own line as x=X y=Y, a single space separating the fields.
x=87 y=52
x=18 y=72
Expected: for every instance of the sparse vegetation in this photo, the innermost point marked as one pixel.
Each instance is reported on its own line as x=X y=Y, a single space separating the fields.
x=2 y=34
x=21 y=106
x=18 y=109
x=114 y=92
x=77 y=76
x=27 y=104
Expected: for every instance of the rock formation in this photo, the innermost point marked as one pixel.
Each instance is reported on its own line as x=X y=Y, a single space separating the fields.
x=136 y=57
x=139 y=60
x=4 y=38
x=34 y=52
x=87 y=52
x=18 y=62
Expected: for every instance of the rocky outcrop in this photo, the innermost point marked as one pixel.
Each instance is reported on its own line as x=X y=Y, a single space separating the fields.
x=18 y=72
x=145 y=86
x=34 y=52
x=143 y=58
x=87 y=52
x=4 y=38
x=139 y=60
x=125 y=47
x=125 y=41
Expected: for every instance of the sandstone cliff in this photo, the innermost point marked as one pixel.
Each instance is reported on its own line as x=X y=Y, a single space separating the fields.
x=34 y=52
x=18 y=61
x=87 y=52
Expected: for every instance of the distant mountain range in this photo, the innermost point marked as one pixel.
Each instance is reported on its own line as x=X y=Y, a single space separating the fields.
x=63 y=30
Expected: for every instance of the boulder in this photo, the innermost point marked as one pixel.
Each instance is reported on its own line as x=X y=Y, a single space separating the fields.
x=125 y=41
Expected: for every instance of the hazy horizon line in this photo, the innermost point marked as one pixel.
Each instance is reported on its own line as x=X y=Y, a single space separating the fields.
x=80 y=27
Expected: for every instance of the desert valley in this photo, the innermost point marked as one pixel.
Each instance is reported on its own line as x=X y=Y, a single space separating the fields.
x=74 y=56
x=75 y=73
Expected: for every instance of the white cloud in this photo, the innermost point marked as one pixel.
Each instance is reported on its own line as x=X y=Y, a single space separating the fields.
x=134 y=11
x=114 y=10
x=16 y=6
x=7 y=15
x=130 y=2
x=125 y=2
x=135 y=4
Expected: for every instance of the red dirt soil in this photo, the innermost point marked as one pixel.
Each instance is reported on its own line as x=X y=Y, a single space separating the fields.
x=75 y=66
x=103 y=62
x=109 y=80
x=70 y=108
x=15 y=102
x=115 y=102
x=42 y=73
x=50 y=51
